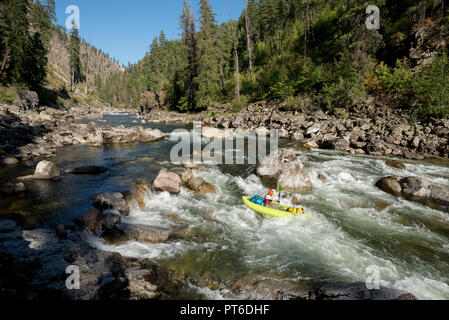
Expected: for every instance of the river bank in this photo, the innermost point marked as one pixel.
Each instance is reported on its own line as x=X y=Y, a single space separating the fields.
x=354 y=225
x=370 y=128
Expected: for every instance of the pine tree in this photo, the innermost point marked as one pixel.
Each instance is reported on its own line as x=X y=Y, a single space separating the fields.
x=236 y=58
x=249 y=42
x=208 y=71
x=16 y=41
x=74 y=57
x=188 y=102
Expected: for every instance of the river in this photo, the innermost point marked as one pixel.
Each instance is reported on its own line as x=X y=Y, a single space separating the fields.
x=407 y=243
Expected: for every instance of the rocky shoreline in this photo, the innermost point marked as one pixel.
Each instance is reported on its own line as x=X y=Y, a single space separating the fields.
x=371 y=129
x=29 y=135
x=36 y=260
x=35 y=265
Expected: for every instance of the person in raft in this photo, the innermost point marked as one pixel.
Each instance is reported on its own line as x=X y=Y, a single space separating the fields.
x=270 y=197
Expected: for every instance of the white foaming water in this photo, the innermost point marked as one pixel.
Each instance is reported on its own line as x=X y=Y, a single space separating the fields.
x=406 y=241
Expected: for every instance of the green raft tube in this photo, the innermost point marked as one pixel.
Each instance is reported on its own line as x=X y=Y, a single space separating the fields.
x=281 y=212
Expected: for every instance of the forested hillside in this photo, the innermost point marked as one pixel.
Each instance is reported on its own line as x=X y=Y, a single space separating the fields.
x=37 y=54
x=95 y=66
x=304 y=53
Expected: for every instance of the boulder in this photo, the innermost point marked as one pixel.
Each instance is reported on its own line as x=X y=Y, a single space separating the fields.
x=395 y=164
x=46 y=170
x=416 y=189
x=214 y=133
x=186 y=176
x=19 y=187
x=27 y=100
x=207 y=188
x=91 y=220
x=7 y=188
x=311 y=145
x=195 y=183
x=283 y=167
x=175 y=218
x=137 y=193
x=113 y=201
x=168 y=181
x=9 y=161
x=322 y=177
x=142 y=233
x=357 y=291
x=87 y=170
x=110 y=219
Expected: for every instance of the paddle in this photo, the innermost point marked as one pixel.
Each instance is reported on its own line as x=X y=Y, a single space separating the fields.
x=280 y=190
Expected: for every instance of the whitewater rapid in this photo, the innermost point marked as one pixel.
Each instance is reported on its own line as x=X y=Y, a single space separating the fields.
x=406 y=242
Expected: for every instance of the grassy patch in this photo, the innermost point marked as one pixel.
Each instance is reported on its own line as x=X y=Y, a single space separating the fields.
x=7 y=95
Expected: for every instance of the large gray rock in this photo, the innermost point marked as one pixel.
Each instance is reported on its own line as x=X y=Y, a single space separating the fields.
x=46 y=170
x=115 y=201
x=214 y=133
x=283 y=167
x=168 y=181
x=129 y=135
x=110 y=219
x=416 y=189
x=9 y=161
x=91 y=220
x=358 y=291
x=140 y=233
x=27 y=100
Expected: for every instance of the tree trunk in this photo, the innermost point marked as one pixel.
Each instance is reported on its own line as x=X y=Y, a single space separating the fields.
x=250 y=44
x=5 y=59
x=72 y=75
x=236 y=59
x=87 y=74
x=306 y=25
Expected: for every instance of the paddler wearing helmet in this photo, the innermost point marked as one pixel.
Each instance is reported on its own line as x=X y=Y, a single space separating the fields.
x=270 y=197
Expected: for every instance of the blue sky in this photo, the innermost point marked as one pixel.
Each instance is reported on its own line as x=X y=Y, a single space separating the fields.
x=125 y=29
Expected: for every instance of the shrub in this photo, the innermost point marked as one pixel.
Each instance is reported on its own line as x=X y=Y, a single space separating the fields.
x=239 y=103
x=432 y=88
x=399 y=80
x=7 y=95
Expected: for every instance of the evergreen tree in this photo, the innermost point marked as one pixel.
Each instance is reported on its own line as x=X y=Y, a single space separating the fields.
x=208 y=71
x=74 y=57
x=16 y=41
x=188 y=101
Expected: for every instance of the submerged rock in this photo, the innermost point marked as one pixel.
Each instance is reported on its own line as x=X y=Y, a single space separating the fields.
x=395 y=164
x=167 y=181
x=416 y=189
x=283 y=167
x=87 y=170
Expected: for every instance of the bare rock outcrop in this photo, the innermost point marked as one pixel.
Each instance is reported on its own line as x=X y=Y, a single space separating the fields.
x=283 y=167
x=416 y=189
